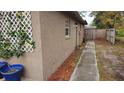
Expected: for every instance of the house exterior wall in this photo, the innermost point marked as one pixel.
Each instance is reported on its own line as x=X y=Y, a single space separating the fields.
x=32 y=61
x=56 y=48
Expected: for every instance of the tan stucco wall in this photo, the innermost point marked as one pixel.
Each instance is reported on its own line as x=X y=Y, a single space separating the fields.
x=56 y=48
x=33 y=61
x=100 y=34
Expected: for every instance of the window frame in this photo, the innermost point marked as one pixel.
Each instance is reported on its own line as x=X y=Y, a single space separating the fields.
x=67 y=26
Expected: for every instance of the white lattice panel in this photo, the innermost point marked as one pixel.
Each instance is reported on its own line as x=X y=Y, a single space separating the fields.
x=16 y=25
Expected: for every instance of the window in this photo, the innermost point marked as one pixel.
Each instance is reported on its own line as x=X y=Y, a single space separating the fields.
x=67 y=28
x=66 y=31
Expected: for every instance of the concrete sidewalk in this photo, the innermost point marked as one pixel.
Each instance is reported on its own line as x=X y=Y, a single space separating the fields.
x=86 y=69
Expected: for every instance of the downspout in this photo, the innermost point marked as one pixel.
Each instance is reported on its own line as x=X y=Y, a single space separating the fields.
x=80 y=38
x=76 y=36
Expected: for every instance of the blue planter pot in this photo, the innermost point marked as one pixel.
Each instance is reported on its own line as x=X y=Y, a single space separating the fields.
x=3 y=64
x=13 y=75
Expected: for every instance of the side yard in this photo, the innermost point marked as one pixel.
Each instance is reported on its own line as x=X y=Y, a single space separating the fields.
x=110 y=60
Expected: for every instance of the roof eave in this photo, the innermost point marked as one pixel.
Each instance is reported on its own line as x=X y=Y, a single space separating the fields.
x=76 y=16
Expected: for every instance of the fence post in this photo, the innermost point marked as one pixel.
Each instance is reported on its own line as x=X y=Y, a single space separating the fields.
x=110 y=35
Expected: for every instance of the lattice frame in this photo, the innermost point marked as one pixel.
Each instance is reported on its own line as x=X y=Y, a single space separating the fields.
x=24 y=24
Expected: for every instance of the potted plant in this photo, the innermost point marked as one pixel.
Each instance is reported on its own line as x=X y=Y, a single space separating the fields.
x=2 y=65
x=12 y=72
x=8 y=50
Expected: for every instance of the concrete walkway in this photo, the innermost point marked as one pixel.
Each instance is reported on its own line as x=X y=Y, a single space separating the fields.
x=86 y=69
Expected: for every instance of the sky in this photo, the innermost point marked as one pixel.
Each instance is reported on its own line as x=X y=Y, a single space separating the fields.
x=88 y=18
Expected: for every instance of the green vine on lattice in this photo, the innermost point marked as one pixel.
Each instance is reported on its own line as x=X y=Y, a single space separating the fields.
x=6 y=46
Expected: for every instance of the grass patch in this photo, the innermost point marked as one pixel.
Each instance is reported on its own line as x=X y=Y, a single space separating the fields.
x=120 y=33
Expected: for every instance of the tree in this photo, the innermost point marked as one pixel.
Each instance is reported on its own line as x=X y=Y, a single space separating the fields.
x=108 y=19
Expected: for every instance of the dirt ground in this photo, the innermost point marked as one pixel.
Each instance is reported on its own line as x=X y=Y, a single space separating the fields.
x=110 y=59
x=64 y=72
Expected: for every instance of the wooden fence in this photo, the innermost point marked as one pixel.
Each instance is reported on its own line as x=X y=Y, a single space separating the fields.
x=89 y=34
x=110 y=33
x=92 y=34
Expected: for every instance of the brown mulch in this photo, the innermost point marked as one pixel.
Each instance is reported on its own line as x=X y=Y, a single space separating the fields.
x=64 y=72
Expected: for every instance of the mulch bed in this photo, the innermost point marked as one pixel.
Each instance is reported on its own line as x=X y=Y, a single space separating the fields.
x=63 y=73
